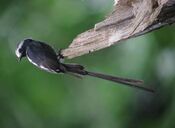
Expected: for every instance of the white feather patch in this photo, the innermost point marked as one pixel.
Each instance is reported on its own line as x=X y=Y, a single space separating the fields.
x=32 y=61
x=18 y=54
x=46 y=69
x=41 y=66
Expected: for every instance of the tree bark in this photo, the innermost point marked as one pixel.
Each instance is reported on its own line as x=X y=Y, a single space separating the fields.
x=129 y=19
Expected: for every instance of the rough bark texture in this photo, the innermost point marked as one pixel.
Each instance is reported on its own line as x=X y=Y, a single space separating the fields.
x=130 y=18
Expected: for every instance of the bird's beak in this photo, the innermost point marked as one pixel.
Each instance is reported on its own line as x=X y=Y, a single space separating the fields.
x=19 y=59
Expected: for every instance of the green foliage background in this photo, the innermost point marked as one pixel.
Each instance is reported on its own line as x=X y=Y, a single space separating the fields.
x=31 y=98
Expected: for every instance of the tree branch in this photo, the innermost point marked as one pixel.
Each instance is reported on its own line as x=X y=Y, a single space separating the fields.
x=130 y=18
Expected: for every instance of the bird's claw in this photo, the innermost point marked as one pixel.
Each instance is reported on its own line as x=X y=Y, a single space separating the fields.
x=59 y=55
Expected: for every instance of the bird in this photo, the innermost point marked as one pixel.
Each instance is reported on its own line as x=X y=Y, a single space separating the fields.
x=46 y=58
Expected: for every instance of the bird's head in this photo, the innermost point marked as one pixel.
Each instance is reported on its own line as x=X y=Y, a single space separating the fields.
x=21 y=48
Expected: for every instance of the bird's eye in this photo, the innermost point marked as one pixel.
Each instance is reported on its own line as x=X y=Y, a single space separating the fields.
x=20 y=50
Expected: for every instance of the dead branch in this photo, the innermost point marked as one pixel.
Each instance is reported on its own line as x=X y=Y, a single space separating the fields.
x=130 y=18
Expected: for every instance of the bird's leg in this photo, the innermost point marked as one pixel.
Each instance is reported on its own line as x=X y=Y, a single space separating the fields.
x=59 y=55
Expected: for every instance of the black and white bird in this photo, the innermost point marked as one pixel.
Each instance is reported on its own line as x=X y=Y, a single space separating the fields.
x=44 y=57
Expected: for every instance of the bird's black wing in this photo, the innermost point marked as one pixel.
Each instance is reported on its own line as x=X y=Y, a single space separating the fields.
x=43 y=56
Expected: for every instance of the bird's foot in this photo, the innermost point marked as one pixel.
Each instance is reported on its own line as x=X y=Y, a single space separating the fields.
x=59 y=55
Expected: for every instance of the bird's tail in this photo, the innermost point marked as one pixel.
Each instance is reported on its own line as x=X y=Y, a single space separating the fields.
x=79 y=70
